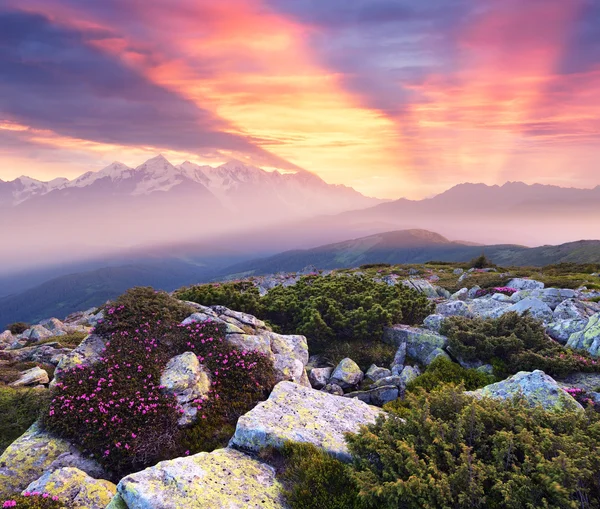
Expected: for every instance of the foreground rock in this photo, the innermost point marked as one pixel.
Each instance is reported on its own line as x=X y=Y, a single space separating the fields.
x=76 y=488
x=224 y=478
x=36 y=453
x=536 y=387
x=299 y=414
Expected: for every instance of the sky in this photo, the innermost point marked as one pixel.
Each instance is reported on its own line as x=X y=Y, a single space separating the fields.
x=396 y=98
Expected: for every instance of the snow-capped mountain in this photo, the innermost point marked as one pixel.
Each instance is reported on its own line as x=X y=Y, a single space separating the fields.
x=234 y=184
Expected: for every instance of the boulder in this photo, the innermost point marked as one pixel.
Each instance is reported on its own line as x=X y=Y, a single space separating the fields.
x=75 y=487
x=589 y=382
x=388 y=380
x=486 y=307
x=37 y=333
x=420 y=343
x=35 y=453
x=442 y=292
x=291 y=356
x=6 y=339
x=88 y=352
x=33 y=376
x=453 y=308
x=458 y=272
x=462 y=294
x=347 y=374
x=553 y=297
x=589 y=338
x=525 y=284
x=473 y=291
x=375 y=373
x=186 y=379
x=319 y=377
x=399 y=359
x=536 y=387
x=421 y=286
x=378 y=396
x=575 y=309
x=299 y=414
x=47 y=353
x=434 y=322
x=224 y=478
x=534 y=307
x=409 y=373
x=54 y=325
x=562 y=330
x=334 y=389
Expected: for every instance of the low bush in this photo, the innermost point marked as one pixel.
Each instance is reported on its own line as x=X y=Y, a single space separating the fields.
x=375 y=266
x=117 y=411
x=17 y=327
x=313 y=479
x=513 y=343
x=326 y=309
x=481 y=262
x=33 y=500
x=448 y=450
x=19 y=408
x=444 y=371
x=504 y=290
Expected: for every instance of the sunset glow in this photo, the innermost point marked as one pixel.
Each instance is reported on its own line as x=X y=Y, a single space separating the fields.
x=392 y=97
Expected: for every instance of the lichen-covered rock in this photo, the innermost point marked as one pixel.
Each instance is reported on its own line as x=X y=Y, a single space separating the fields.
x=571 y=309
x=453 y=308
x=434 y=354
x=37 y=333
x=88 y=352
x=299 y=414
x=534 y=307
x=334 y=389
x=589 y=382
x=399 y=358
x=589 y=338
x=562 y=330
x=186 y=379
x=487 y=307
x=319 y=377
x=347 y=374
x=434 y=322
x=48 y=353
x=6 y=339
x=376 y=395
x=35 y=453
x=420 y=343
x=473 y=291
x=409 y=373
x=421 y=286
x=536 y=387
x=525 y=284
x=462 y=294
x=375 y=372
x=291 y=356
x=224 y=478
x=76 y=488
x=33 y=376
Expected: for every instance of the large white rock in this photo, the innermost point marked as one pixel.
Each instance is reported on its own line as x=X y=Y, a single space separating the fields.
x=589 y=338
x=299 y=414
x=224 y=478
x=536 y=387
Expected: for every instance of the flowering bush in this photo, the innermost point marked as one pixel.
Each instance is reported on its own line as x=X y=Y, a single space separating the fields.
x=33 y=500
x=582 y=396
x=505 y=290
x=117 y=410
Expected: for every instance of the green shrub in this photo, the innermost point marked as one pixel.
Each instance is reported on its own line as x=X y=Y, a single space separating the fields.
x=33 y=500
x=444 y=371
x=116 y=410
x=326 y=309
x=481 y=262
x=375 y=266
x=447 y=450
x=513 y=343
x=19 y=408
x=315 y=480
x=17 y=327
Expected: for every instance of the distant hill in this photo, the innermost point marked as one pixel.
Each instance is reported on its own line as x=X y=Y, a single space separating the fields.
x=414 y=246
x=63 y=295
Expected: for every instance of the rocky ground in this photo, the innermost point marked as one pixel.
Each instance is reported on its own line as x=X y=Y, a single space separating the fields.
x=313 y=402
